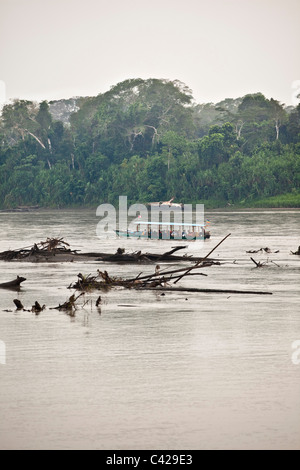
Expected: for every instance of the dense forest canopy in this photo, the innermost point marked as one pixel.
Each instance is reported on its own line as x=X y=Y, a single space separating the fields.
x=149 y=140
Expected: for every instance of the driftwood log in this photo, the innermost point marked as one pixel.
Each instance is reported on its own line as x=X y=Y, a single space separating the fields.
x=42 y=250
x=18 y=304
x=261 y=250
x=57 y=250
x=158 y=281
x=13 y=284
x=207 y=291
x=138 y=257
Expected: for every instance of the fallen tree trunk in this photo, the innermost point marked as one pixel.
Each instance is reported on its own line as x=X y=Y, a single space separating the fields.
x=157 y=279
x=16 y=283
x=208 y=291
x=169 y=274
x=121 y=257
x=51 y=247
x=49 y=253
x=18 y=304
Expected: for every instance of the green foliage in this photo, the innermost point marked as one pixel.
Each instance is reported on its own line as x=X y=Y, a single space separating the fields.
x=291 y=200
x=147 y=140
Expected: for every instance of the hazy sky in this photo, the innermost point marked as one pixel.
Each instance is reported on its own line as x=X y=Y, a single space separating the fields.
x=53 y=49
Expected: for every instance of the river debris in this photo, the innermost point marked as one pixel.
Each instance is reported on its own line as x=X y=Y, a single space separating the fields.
x=50 y=247
x=54 y=244
x=37 y=309
x=18 y=304
x=158 y=279
x=57 y=250
x=138 y=257
x=13 y=284
x=70 y=305
x=258 y=264
x=210 y=291
x=104 y=282
x=161 y=281
x=296 y=252
x=262 y=250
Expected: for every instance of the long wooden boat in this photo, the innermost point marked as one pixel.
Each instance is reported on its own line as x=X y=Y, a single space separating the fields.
x=166 y=231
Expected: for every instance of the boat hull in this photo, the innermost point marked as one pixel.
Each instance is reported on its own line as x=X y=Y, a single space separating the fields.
x=138 y=236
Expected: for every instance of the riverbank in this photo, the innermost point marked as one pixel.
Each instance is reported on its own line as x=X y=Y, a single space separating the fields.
x=289 y=201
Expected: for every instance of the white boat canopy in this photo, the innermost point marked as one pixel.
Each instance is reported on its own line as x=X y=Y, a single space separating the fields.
x=170 y=224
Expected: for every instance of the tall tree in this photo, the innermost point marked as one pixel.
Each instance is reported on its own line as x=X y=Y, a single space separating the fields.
x=277 y=115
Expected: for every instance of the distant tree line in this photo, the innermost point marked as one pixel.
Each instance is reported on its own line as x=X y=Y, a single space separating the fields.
x=147 y=139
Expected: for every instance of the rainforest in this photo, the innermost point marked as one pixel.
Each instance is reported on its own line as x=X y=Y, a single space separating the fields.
x=150 y=140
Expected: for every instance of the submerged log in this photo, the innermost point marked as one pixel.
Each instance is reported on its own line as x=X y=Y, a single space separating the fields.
x=69 y=305
x=37 y=308
x=51 y=247
x=206 y=291
x=264 y=264
x=139 y=257
x=121 y=257
x=13 y=284
x=18 y=304
x=257 y=264
x=261 y=250
x=103 y=281
x=56 y=250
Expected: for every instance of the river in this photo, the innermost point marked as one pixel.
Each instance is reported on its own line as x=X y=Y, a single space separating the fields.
x=180 y=371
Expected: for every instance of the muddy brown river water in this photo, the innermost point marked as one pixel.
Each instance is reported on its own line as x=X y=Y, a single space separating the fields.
x=182 y=371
